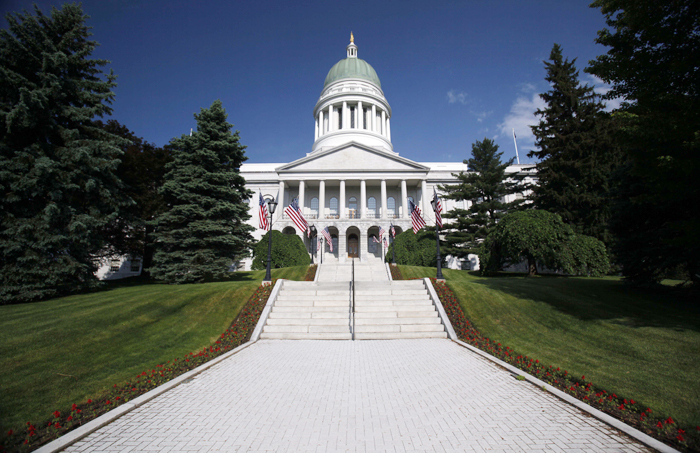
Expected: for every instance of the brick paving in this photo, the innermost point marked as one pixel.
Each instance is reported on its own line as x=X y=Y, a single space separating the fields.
x=317 y=396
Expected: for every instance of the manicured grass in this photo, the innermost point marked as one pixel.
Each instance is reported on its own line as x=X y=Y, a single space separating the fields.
x=63 y=351
x=641 y=345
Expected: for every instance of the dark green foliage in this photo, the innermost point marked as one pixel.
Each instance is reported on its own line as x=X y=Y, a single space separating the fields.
x=142 y=170
x=416 y=249
x=59 y=190
x=652 y=62
x=575 y=151
x=287 y=250
x=485 y=185
x=204 y=231
x=543 y=238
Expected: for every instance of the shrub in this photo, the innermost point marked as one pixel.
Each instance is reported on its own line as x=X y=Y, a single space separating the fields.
x=415 y=249
x=287 y=250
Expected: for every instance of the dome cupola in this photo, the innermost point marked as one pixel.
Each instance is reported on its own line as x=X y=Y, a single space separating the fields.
x=352 y=106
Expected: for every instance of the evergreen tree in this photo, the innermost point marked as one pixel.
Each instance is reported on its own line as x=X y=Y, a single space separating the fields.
x=575 y=151
x=57 y=166
x=204 y=230
x=652 y=63
x=486 y=186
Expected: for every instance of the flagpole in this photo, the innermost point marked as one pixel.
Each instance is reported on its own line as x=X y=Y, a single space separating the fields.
x=516 y=147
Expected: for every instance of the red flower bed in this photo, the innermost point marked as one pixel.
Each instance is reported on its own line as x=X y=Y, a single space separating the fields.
x=684 y=438
x=311 y=273
x=395 y=272
x=35 y=435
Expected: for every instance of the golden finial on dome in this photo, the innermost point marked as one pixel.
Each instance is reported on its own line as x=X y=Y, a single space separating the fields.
x=352 y=38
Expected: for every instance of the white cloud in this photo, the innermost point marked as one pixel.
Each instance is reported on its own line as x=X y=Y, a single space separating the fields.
x=601 y=88
x=528 y=88
x=520 y=118
x=454 y=96
x=480 y=116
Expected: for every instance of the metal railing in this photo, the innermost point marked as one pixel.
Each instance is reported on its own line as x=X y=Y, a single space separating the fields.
x=352 y=300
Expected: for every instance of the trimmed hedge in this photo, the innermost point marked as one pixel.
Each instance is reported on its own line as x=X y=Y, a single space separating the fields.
x=415 y=249
x=287 y=250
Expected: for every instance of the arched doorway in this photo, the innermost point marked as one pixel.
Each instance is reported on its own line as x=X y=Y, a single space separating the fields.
x=353 y=246
x=289 y=230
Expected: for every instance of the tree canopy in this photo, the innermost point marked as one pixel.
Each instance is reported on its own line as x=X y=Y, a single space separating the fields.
x=575 y=151
x=485 y=186
x=652 y=64
x=204 y=230
x=57 y=166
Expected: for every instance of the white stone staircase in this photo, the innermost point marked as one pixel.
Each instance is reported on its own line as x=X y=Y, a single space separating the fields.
x=310 y=311
x=395 y=310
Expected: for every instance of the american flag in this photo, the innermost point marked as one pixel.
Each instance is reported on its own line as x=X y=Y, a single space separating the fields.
x=262 y=213
x=386 y=244
x=327 y=234
x=416 y=220
x=393 y=231
x=297 y=217
x=438 y=208
x=374 y=239
x=381 y=231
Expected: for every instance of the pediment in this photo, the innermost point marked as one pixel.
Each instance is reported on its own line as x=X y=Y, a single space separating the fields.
x=352 y=157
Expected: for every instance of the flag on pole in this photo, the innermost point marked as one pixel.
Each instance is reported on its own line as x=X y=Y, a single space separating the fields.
x=319 y=243
x=262 y=213
x=297 y=217
x=393 y=231
x=386 y=244
x=416 y=220
x=327 y=234
x=375 y=240
x=438 y=208
x=381 y=231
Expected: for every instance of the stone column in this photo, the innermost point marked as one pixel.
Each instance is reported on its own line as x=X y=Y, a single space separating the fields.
x=404 y=199
x=322 y=199
x=384 y=214
x=342 y=200
x=320 y=123
x=360 y=116
x=330 y=118
x=363 y=199
x=346 y=116
x=302 y=195
x=280 y=201
x=383 y=131
x=316 y=129
x=388 y=128
x=373 y=121
x=424 y=199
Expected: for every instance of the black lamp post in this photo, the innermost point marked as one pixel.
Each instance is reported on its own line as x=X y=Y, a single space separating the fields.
x=312 y=229
x=433 y=203
x=271 y=206
x=393 y=249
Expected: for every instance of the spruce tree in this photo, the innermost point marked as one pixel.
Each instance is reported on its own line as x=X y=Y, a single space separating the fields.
x=204 y=230
x=486 y=186
x=575 y=151
x=57 y=167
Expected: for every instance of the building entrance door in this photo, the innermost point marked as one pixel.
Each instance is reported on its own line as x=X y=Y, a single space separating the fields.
x=352 y=246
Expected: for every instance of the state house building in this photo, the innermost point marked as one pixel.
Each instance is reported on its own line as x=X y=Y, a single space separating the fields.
x=352 y=181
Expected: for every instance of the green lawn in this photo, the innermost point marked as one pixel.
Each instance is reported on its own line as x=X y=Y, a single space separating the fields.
x=65 y=350
x=641 y=345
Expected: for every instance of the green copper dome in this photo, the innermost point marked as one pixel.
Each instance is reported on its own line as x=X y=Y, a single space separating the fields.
x=352 y=68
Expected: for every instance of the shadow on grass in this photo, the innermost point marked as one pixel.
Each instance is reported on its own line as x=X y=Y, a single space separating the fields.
x=608 y=299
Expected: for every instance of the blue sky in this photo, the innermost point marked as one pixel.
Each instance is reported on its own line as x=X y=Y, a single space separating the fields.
x=453 y=72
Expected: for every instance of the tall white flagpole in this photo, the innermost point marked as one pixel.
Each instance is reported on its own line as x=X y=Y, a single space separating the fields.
x=516 y=147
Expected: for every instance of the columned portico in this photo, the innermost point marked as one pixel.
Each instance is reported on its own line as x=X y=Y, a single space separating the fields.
x=383 y=189
x=321 y=199
x=342 y=199
x=404 y=199
x=363 y=199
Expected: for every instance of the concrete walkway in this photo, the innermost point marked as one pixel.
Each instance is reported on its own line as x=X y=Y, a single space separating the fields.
x=400 y=395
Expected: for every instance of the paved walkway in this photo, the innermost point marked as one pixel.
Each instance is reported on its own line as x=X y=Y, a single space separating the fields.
x=400 y=395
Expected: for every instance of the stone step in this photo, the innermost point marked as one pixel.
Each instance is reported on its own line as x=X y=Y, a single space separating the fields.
x=310 y=309
x=392 y=297
x=398 y=335
x=312 y=303
x=401 y=328
x=309 y=322
x=306 y=336
x=341 y=296
x=306 y=329
x=396 y=303
x=399 y=321
x=320 y=292
x=396 y=314
x=391 y=308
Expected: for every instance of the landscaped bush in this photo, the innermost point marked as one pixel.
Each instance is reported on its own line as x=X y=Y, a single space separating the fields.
x=287 y=250
x=542 y=238
x=415 y=249
x=667 y=430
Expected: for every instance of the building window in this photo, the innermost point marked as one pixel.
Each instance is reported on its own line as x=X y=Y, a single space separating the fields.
x=372 y=208
x=364 y=118
x=114 y=265
x=314 y=208
x=334 y=208
x=352 y=117
x=340 y=117
x=135 y=265
x=391 y=208
x=352 y=209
